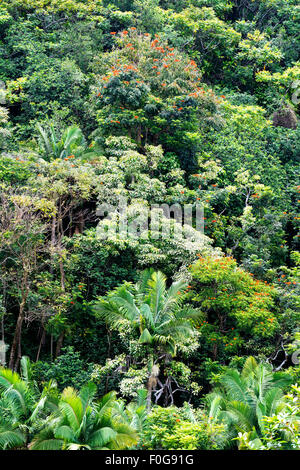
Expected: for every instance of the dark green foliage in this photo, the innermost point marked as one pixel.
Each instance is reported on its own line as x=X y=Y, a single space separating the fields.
x=69 y=370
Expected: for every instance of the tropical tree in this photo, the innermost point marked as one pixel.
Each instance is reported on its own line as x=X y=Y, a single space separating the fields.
x=153 y=93
x=238 y=307
x=243 y=399
x=280 y=431
x=23 y=223
x=81 y=423
x=71 y=142
x=152 y=310
x=135 y=412
x=22 y=406
x=155 y=315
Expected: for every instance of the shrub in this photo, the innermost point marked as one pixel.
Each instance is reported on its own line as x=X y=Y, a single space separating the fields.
x=181 y=428
x=68 y=370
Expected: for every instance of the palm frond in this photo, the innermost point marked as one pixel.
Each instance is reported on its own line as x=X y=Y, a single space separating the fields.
x=45 y=140
x=8 y=378
x=242 y=415
x=71 y=407
x=272 y=399
x=47 y=444
x=249 y=367
x=101 y=437
x=143 y=284
x=10 y=438
x=87 y=394
x=108 y=311
x=173 y=298
x=65 y=433
x=157 y=290
x=236 y=386
x=26 y=369
x=147 y=314
x=216 y=405
x=145 y=337
x=263 y=380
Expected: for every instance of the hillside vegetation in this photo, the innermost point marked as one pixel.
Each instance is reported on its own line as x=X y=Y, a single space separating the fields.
x=127 y=332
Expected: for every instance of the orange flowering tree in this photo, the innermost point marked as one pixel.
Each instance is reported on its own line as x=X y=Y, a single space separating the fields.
x=152 y=93
x=238 y=307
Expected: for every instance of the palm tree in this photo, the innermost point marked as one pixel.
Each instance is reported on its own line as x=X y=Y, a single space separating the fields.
x=135 y=413
x=243 y=399
x=71 y=142
x=80 y=423
x=152 y=310
x=22 y=406
x=156 y=315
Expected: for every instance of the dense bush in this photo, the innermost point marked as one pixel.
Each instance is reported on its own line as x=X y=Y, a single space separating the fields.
x=68 y=370
x=181 y=428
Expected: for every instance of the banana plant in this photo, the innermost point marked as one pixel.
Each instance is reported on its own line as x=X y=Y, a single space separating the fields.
x=71 y=144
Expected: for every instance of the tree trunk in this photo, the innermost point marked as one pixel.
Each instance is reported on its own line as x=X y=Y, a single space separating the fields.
x=139 y=135
x=16 y=344
x=51 y=347
x=40 y=345
x=149 y=394
x=152 y=382
x=62 y=277
x=53 y=240
x=53 y=231
x=59 y=344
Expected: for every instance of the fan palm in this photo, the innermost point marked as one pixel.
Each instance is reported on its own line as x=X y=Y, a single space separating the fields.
x=82 y=424
x=243 y=399
x=21 y=406
x=152 y=309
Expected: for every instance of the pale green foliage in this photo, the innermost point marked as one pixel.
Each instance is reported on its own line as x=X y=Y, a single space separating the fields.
x=281 y=431
x=72 y=7
x=204 y=27
x=163 y=241
x=242 y=400
x=257 y=49
x=71 y=142
x=59 y=179
x=185 y=428
x=21 y=406
x=281 y=79
x=133 y=380
x=80 y=423
x=3 y=121
x=134 y=413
